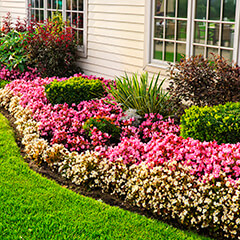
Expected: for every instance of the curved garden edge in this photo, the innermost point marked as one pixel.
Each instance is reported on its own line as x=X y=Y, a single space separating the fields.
x=162 y=200
x=46 y=172
x=96 y=193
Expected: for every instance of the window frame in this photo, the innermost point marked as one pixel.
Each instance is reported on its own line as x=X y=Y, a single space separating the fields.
x=149 y=29
x=82 y=50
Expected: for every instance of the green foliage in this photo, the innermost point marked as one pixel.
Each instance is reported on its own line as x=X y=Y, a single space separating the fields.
x=220 y=123
x=103 y=124
x=142 y=95
x=202 y=82
x=73 y=90
x=12 y=53
x=3 y=83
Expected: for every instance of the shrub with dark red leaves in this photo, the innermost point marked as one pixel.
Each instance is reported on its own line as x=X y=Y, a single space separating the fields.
x=52 y=49
x=201 y=82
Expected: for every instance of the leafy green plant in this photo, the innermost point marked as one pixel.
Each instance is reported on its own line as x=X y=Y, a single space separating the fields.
x=73 y=90
x=3 y=83
x=201 y=82
x=220 y=123
x=12 y=53
x=104 y=124
x=142 y=95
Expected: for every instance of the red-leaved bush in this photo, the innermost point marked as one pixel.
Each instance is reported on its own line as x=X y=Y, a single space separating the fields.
x=203 y=82
x=52 y=48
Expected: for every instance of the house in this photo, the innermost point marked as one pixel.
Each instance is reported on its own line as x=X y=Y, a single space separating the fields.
x=118 y=36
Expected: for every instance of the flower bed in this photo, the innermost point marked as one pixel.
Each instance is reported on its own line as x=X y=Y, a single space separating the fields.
x=196 y=183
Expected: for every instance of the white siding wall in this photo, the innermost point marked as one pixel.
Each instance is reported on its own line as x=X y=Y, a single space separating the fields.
x=16 y=7
x=115 y=37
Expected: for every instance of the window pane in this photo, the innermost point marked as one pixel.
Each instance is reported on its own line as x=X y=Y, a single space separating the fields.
x=170 y=29
x=68 y=3
x=158 y=47
x=59 y=4
x=74 y=4
x=201 y=9
x=32 y=4
x=181 y=51
x=68 y=17
x=54 y=4
x=37 y=3
x=182 y=8
x=158 y=28
x=199 y=34
x=210 y=52
x=159 y=9
x=41 y=16
x=229 y=8
x=49 y=4
x=227 y=55
x=80 y=5
x=197 y=50
x=181 y=30
x=171 y=4
x=169 y=52
x=49 y=14
x=227 y=35
x=80 y=21
x=80 y=38
x=74 y=20
x=213 y=34
x=214 y=9
x=41 y=3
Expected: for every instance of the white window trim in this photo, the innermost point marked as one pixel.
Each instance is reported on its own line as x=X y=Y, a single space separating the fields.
x=82 y=51
x=149 y=31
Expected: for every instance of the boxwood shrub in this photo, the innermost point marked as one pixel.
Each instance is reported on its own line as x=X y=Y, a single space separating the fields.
x=73 y=90
x=220 y=123
x=105 y=125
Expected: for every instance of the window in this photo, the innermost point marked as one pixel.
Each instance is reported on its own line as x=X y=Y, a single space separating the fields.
x=73 y=11
x=192 y=27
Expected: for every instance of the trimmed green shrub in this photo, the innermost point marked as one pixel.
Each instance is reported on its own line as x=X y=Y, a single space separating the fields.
x=220 y=123
x=105 y=125
x=73 y=90
x=3 y=83
x=141 y=94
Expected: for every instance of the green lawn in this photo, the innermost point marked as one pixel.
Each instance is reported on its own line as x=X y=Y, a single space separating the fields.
x=33 y=207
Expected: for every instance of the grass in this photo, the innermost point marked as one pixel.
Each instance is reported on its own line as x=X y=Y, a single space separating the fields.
x=33 y=207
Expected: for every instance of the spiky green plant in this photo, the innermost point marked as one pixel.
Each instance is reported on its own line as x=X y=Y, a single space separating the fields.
x=143 y=95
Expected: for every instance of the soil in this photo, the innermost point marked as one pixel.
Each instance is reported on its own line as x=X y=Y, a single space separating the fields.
x=97 y=194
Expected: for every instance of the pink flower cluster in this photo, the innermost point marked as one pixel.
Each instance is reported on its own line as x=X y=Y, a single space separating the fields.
x=155 y=141
x=62 y=123
x=203 y=158
x=27 y=75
